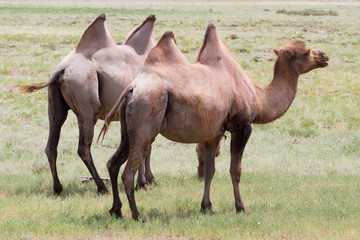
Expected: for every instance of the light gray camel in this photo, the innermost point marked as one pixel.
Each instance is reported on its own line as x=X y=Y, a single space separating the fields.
x=197 y=103
x=89 y=81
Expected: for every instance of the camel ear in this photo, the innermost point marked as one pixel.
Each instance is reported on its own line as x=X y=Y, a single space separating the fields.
x=286 y=52
x=289 y=53
x=142 y=38
x=95 y=37
x=277 y=51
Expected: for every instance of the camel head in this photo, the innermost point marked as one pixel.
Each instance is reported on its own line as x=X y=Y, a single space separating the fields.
x=300 y=58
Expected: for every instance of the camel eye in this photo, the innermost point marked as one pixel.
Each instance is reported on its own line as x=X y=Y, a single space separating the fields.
x=307 y=53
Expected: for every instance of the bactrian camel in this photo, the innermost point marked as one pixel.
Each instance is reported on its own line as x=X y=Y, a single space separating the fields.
x=88 y=81
x=197 y=103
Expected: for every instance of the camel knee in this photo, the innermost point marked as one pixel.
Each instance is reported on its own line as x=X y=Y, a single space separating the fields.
x=128 y=182
x=84 y=153
x=235 y=174
x=210 y=170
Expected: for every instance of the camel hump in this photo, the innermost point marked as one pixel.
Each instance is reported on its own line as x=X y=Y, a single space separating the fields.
x=210 y=51
x=166 y=39
x=95 y=37
x=142 y=37
x=166 y=50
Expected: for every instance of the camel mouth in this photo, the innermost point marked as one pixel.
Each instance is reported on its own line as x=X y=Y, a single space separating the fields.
x=323 y=61
x=324 y=64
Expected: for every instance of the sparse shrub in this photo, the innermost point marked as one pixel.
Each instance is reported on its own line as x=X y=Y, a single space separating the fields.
x=308 y=12
x=242 y=50
x=306 y=133
x=39 y=167
x=353 y=147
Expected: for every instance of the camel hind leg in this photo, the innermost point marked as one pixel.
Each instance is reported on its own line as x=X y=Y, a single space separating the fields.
x=144 y=119
x=57 y=113
x=115 y=162
x=86 y=134
x=82 y=96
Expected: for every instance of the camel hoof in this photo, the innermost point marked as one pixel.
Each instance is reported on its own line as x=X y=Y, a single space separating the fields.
x=115 y=211
x=58 y=189
x=103 y=191
x=206 y=209
x=151 y=181
x=240 y=209
x=136 y=216
x=141 y=186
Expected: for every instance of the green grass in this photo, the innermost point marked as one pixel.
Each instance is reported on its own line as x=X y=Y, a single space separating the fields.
x=308 y=12
x=301 y=173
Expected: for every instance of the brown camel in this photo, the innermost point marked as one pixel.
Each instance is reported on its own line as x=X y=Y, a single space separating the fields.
x=197 y=103
x=89 y=81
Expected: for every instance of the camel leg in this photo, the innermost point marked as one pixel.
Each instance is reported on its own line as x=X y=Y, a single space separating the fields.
x=200 y=155
x=57 y=112
x=239 y=139
x=141 y=180
x=201 y=160
x=208 y=150
x=136 y=155
x=145 y=175
x=113 y=167
x=82 y=96
x=148 y=173
x=144 y=121
x=86 y=134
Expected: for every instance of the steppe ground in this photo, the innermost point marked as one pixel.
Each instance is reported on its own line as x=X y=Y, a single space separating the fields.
x=301 y=173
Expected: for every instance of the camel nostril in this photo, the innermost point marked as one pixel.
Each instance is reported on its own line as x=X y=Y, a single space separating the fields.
x=323 y=56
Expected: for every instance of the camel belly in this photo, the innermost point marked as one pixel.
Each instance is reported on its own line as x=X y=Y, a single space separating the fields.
x=187 y=126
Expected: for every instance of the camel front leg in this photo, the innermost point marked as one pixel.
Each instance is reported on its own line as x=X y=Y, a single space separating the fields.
x=208 y=150
x=239 y=139
x=201 y=158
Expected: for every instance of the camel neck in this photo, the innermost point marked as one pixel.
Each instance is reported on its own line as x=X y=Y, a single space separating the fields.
x=275 y=99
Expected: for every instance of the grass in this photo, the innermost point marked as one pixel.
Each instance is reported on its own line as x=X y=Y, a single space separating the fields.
x=301 y=173
x=308 y=12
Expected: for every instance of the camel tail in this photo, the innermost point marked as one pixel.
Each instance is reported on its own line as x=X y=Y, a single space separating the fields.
x=37 y=86
x=111 y=114
x=33 y=87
